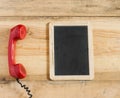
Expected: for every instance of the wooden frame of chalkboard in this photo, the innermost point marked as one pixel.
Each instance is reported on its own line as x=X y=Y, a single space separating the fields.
x=52 y=59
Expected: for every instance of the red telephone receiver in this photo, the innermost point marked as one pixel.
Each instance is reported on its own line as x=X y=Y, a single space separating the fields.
x=16 y=70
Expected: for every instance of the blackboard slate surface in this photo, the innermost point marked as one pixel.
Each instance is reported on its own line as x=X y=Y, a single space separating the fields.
x=71 y=52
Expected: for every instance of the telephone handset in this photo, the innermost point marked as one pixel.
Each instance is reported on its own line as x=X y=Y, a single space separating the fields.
x=16 y=70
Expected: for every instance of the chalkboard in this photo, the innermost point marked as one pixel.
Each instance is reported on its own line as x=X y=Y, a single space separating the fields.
x=70 y=52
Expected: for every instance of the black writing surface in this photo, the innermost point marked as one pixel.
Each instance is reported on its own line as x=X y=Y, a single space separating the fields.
x=71 y=50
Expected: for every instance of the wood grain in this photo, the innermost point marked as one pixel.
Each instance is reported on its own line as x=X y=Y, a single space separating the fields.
x=60 y=8
x=33 y=50
x=60 y=89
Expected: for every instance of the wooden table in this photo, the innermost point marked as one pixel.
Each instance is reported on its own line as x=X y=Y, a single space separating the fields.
x=104 y=17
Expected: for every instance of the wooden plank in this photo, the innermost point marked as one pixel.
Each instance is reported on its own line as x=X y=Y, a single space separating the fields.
x=62 y=89
x=60 y=8
x=33 y=50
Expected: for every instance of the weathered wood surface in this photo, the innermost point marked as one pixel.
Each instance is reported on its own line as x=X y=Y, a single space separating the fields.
x=60 y=89
x=33 y=50
x=60 y=8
